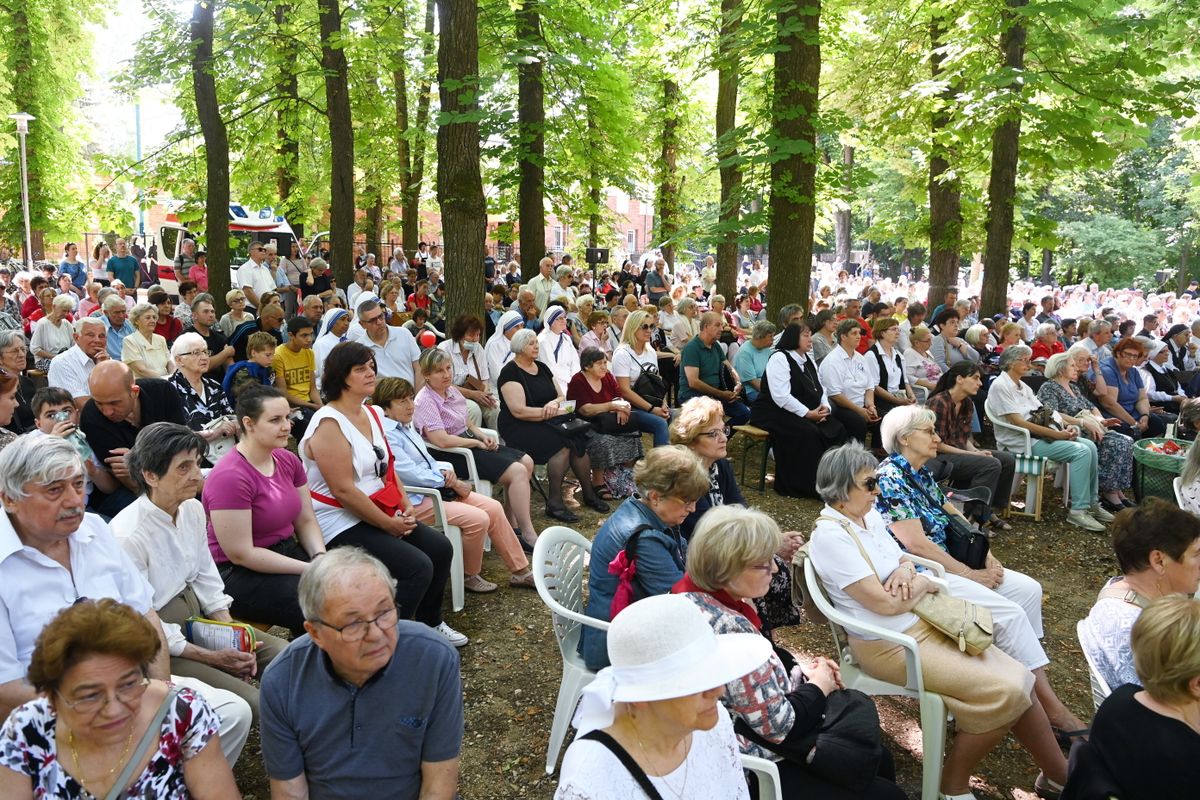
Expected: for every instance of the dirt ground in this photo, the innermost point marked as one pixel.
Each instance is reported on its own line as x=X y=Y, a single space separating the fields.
x=511 y=669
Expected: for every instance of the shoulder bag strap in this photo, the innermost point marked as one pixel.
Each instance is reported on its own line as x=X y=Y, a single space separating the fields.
x=850 y=531
x=1130 y=596
x=144 y=743
x=639 y=774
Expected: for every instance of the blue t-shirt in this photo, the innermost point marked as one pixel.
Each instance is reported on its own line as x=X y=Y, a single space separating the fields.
x=77 y=271
x=124 y=269
x=1128 y=390
x=750 y=362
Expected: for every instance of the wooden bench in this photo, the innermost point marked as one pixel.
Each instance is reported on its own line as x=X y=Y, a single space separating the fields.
x=756 y=438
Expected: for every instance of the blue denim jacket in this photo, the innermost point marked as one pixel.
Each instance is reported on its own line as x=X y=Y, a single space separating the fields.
x=661 y=555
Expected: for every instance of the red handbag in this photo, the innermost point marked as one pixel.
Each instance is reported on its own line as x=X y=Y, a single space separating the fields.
x=389 y=499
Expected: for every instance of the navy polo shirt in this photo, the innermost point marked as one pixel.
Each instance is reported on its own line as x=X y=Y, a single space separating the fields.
x=352 y=742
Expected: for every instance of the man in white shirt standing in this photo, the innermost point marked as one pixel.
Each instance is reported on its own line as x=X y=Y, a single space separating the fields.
x=255 y=277
x=542 y=284
x=396 y=351
x=70 y=369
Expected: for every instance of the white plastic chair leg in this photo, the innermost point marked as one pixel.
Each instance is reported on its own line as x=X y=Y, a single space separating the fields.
x=574 y=681
x=457 y=576
x=933 y=744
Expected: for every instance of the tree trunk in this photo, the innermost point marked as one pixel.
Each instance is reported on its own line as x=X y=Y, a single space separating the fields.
x=1183 y=278
x=1002 y=186
x=531 y=137
x=287 y=123
x=459 y=184
x=595 y=179
x=1047 y=266
x=216 y=152
x=411 y=154
x=341 y=142
x=668 y=173
x=842 y=219
x=375 y=225
x=945 y=199
x=793 y=178
x=728 y=74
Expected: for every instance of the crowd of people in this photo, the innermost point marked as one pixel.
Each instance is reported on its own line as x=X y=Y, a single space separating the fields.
x=166 y=473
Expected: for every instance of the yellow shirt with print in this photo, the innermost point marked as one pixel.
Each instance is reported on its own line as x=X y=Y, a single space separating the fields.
x=296 y=369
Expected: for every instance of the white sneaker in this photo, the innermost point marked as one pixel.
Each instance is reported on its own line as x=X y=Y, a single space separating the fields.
x=1102 y=514
x=1082 y=519
x=452 y=636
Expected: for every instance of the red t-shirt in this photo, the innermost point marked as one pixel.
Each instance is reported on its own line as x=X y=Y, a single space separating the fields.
x=582 y=393
x=416 y=301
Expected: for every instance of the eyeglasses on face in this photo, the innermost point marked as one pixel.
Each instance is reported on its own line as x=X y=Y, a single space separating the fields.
x=718 y=433
x=372 y=320
x=870 y=484
x=649 y=327
x=196 y=353
x=126 y=694
x=357 y=631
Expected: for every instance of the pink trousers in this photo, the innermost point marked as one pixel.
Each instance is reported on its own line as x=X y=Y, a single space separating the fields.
x=479 y=516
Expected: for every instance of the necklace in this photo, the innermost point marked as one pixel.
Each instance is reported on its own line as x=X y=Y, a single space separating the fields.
x=79 y=765
x=682 y=791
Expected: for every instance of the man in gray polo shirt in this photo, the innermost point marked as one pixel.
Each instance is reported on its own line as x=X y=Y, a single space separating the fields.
x=364 y=704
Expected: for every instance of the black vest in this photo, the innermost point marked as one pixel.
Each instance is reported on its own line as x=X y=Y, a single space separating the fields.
x=883 y=373
x=805 y=386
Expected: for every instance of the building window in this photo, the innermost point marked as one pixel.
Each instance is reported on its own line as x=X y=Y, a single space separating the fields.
x=558 y=237
x=631 y=241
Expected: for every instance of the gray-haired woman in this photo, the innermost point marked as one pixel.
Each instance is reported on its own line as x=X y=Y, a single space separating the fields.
x=848 y=382
x=14 y=358
x=866 y=575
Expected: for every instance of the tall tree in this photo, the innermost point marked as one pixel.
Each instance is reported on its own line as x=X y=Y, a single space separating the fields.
x=843 y=218
x=459 y=183
x=793 y=176
x=287 y=117
x=531 y=137
x=1002 y=185
x=728 y=74
x=412 y=134
x=341 y=140
x=669 y=183
x=216 y=149
x=945 y=198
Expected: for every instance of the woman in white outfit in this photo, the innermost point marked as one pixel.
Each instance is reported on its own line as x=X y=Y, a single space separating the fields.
x=555 y=348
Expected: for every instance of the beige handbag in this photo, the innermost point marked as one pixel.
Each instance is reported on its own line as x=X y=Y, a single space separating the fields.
x=966 y=623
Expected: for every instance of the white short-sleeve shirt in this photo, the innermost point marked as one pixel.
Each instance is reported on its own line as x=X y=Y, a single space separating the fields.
x=625 y=362
x=394 y=358
x=1008 y=397
x=847 y=375
x=70 y=370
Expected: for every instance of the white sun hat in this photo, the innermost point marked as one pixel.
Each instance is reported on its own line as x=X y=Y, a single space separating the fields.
x=662 y=648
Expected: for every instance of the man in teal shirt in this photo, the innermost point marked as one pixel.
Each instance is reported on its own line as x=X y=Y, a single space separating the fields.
x=702 y=360
x=122 y=266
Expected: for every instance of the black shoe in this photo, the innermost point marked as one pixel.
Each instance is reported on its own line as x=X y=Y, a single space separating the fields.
x=597 y=504
x=1112 y=507
x=526 y=546
x=561 y=514
x=1127 y=503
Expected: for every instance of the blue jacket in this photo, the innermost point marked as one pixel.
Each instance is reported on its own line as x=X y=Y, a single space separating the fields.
x=661 y=555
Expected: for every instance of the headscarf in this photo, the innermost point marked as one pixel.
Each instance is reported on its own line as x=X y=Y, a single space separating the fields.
x=330 y=319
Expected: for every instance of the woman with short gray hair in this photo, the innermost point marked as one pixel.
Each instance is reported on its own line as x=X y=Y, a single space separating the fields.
x=867 y=576
x=1054 y=436
x=52 y=334
x=145 y=351
x=687 y=323
x=848 y=383
x=14 y=352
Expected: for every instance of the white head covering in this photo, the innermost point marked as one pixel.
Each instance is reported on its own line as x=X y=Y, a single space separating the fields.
x=662 y=648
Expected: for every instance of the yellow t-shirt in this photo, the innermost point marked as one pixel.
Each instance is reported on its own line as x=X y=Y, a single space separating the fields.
x=294 y=369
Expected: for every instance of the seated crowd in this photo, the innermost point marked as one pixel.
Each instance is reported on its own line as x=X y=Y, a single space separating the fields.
x=175 y=485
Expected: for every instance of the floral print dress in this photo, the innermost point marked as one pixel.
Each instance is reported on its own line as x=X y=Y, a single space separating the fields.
x=1116 y=449
x=27 y=746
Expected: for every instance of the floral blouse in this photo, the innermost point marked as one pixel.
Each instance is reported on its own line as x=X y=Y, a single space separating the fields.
x=198 y=410
x=1070 y=402
x=27 y=746
x=901 y=499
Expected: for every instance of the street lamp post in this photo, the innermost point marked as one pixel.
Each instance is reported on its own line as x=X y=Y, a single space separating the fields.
x=23 y=120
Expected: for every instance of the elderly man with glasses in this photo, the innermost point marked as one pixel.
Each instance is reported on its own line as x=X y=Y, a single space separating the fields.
x=365 y=704
x=396 y=351
x=52 y=555
x=255 y=277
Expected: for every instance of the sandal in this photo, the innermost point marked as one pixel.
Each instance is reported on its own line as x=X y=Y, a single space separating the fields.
x=997 y=525
x=1066 y=738
x=601 y=490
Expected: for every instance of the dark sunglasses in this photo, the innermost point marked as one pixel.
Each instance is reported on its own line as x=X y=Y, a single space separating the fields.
x=871 y=484
x=648 y=327
x=381 y=464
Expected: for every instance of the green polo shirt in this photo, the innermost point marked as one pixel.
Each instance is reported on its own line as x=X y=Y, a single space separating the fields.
x=708 y=358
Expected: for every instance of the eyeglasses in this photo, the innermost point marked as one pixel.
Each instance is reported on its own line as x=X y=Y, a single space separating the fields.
x=357 y=631
x=381 y=464
x=372 y=320
x=718 y=433
x=126 y=694
x=649 y=327
x=195 y=353
x=870 y=484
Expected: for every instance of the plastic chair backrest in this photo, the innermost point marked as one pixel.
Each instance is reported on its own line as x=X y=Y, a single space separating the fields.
x=999 y=423
x=1177 y=485
x=558 y=572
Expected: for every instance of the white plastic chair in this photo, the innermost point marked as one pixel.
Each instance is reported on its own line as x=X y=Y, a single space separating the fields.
x=1034 y=467
x=769 y=785
x=1100 y=688
x=558 y=572
x=933 y=707
x=454 y=534
x=481 y=486
x=1177 y=485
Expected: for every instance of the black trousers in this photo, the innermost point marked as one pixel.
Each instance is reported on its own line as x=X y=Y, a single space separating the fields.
x=420 y=563
x=856 y=426
x=268 y=597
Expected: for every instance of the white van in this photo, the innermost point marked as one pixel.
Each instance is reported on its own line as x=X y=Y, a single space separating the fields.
x=245 y=226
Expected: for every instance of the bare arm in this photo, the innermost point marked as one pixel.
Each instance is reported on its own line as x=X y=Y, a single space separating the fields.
x=514 y=398
x=208 y=775
x=440 y=438
x=160 y=667
x=15 y=785
x=233 y=527
x=329 y=448
x=251 y=295
x=13 y=694
x=439 y=779
x=1109 y=401
x=293 y=789
x=870 y=593
x=1040 y=431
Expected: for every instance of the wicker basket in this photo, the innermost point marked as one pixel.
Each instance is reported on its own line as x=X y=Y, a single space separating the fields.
x=1153 y=473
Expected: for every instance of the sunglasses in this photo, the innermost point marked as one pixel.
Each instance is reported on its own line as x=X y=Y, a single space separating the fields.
x=381 y=464
x=648 y=327
x=871 y=484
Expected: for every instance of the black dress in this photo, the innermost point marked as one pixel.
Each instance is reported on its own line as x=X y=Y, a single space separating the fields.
x=540 y=440
x=798 y=443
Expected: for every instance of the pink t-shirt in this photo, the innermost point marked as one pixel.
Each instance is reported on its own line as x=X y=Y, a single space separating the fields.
x=434 y=412
x=274 y=503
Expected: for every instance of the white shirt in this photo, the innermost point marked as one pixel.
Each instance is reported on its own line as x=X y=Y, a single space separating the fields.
x=333 y=519
x=847 y=375
x=321 y=348
x=839 y=563
x=906 y=328
x=919 y=367
x=171 y=555
x=779 y=379
x=70 y=370
x=475 y=364
x=713 y=769
x=394 y=358
x=558 y=352
x=1008 y=397
x=1028 y=328
x=625 y=363
x=258 y=277
x=894 y=370
x=542 y=287
x=50 y=337
x=34 y=588
x=497 y=352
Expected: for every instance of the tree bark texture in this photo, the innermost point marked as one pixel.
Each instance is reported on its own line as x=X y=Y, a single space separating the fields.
x=793 y=178
x=728 y=75
x=216 y=151
x=1047 y=266
x=531 y=137
x=843 y=218
x=945 y=198
x=341 y=141
x=287 y=123
x=459 y=184
x=668 y=173
x=375 y=224
x=595 y=181
x=1002 y=186
x=412 y=138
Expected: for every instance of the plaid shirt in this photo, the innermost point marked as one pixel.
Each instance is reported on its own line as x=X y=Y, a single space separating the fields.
x=953 y=425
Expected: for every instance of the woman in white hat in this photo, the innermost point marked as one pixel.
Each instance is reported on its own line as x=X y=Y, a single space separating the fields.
x=652 y=719
x=555 y=348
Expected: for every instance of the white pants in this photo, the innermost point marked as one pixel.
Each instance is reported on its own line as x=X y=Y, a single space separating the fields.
x=1016 y=606
x=233 y=711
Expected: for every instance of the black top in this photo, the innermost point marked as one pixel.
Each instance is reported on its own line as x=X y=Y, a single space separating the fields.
x=805 y=387
x=314 y=284
x=1151 y=757
x=215 y=341
x=160 y=403
x=722 y=491
x=539 y=388
x=22 y=418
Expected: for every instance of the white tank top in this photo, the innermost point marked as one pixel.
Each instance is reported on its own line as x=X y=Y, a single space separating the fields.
x=334 y=520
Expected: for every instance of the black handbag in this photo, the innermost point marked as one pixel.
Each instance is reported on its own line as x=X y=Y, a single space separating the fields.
x=606 y=423
x=650 y=386
x=964 y=542
x=570 y=424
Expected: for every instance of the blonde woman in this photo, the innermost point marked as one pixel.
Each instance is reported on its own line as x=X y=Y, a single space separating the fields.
x=633 y=357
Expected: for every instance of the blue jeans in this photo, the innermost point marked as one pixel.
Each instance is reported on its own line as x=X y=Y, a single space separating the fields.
x=739 y=412
x=652 y=424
